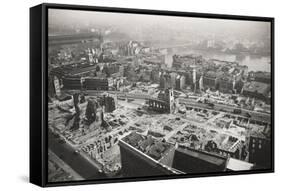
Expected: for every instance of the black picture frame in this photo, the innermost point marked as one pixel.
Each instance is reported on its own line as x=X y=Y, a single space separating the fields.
x=38 y=91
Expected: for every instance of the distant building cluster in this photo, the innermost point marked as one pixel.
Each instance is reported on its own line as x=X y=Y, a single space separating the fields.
x=227 y=77
x=111 y=66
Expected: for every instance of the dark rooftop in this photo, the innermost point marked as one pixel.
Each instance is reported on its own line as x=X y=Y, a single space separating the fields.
x=148 y=145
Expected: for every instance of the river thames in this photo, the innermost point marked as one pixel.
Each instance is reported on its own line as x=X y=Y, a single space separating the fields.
x=254 y=62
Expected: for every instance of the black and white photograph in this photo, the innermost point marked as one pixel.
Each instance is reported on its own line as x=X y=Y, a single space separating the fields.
x=140 y=95
x=144 y=95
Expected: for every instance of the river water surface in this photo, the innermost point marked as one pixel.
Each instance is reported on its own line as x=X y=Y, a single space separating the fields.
x=254 y=62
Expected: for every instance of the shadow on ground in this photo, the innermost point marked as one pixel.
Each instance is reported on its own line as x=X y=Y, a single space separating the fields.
x=24 y=178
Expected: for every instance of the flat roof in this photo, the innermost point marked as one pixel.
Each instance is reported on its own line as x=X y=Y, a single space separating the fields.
x=76 y=71
x=236 y=165
x=255 y=86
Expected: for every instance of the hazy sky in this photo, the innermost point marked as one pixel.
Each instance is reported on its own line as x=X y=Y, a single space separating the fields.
x=153 y=24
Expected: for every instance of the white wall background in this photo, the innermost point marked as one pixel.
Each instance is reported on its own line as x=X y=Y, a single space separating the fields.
x=14 y=105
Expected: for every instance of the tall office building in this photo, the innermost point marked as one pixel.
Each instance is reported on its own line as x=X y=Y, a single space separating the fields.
x=260 y=150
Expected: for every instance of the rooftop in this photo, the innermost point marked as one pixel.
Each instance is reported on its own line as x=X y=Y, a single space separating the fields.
x=148 y=145
x=261 y=74
x=77 y=71
x=160 y=150
x=211 y=74
x=236 y=165
x=189 y=56
x=257 y=87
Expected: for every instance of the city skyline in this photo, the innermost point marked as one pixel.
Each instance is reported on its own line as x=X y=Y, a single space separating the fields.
x=146 y=95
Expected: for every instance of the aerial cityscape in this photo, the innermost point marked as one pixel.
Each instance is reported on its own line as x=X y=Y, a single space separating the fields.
x=133 y=95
